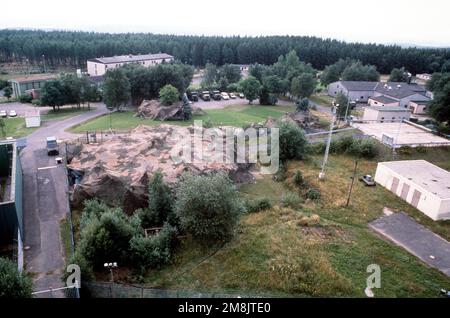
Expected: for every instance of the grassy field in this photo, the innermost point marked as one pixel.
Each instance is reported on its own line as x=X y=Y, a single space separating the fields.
x=15 y=127
x=275 y=253
x=238 y=116
x=323 y=100
x=64 y=113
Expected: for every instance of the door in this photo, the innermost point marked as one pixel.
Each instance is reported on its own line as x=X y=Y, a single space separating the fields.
x=416 y=198
x=394 y=185
x=405 y=191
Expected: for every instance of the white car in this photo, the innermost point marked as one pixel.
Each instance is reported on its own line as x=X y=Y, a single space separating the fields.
x=12 y=113
x=225 y=96
x=241 y=95
x=232 y=95
x=3 y=114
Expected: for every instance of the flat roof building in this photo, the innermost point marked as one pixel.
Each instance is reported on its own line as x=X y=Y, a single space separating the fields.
x=385 y=114
x=99 y=66
x=420 y=183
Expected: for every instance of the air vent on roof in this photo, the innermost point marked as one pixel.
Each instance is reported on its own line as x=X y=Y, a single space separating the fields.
x=390 y=87
x=399 y=86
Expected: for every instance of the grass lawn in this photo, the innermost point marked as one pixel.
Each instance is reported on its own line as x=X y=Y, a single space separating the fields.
x=323 y=100
x=238 y=116
x=274 y=253
x=64 y=113
x=15 y=127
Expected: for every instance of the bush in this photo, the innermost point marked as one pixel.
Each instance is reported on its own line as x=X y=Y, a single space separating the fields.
x=153 y=251
x=405 y=150
x=233 y=87
x=258 y=205
x=291 y=200
x=208 y=206
x=313 y=194
x=298 y=179
x=13 y=284
x=168 y=95
x=364 y=148
x=280 y=176
x=25 y=98
x=421 y=149
x=36 y=102
x=292 y=141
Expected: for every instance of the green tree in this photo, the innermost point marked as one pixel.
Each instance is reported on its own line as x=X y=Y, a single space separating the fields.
x=274 y=84
x=7 y=92
x=12 y=283
x=342 y=101
x=231 y=72
x=116 y=89
x=53 y=94
x=208 y=206
x=303 y=85
x=439 y=107
x=2 y=127
x=251 y=88
x=359 y=72
x=210 y=75
x=292 y=141
x=223 y=84
x=399 y=75
x=302 y=105
x=168 y=95
x=330 y=74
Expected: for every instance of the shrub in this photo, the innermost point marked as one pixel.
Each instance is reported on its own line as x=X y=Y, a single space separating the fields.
x=153 y=251
x=13 y=284
x=291 y=200
x=292 y=141
x=208 y=206
x=364 y=148
x=421 y=149
x=280 y=176
x=313 y=194
x=25 y=98
x=36 y=102
x=168 y=95
x=298 y=179
x=405 y=150
x=258 y=205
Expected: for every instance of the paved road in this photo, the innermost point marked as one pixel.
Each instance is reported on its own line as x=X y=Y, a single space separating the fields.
x=416 y=239
x=45 y=202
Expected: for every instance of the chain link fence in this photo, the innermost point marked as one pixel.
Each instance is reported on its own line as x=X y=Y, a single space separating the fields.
x=114 y=290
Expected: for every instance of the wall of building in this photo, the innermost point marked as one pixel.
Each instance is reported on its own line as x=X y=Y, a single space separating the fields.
x=336 y=88
x=428 y=203
x=372 y=102
x=418 y=109
x=98 y=69
x=376 y=115
x=404 y=102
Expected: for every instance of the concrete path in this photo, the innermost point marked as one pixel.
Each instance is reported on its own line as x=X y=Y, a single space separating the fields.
x=416 y=239
x=45 y=202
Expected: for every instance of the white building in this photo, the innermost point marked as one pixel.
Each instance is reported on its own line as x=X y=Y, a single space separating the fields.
x=384 y=114
x=382 y=101
x=420 y=183
x=99 y=66
x=32 y=118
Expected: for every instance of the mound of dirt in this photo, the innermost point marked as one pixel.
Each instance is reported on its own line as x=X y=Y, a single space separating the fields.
x=117 y=171
x=153 y=109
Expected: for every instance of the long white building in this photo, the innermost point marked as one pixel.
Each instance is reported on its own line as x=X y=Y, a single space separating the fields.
x=99 y=66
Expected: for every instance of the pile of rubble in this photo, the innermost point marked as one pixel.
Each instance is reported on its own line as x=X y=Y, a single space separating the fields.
x=117 y=171
x=153 y=109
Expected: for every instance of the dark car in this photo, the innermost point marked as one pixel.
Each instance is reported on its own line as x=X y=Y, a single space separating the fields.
x=193 y=96
x=368 y=180
x=215 y=95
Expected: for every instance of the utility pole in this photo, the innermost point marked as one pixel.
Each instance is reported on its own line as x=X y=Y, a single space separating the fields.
x=348 y=104
x=43 y=59
x=327 y=149
x=351 y=184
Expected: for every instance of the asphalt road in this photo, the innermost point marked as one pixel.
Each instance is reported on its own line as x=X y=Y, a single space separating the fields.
x=46 y=202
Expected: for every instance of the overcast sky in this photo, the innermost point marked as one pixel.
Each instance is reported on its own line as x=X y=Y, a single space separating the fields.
x=422 y=22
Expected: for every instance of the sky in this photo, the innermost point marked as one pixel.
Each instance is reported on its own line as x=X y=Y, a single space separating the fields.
x=409 y=22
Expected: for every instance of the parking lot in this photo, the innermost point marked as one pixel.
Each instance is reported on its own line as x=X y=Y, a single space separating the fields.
x=403 y=134
x=21 y=109
x=219 y=104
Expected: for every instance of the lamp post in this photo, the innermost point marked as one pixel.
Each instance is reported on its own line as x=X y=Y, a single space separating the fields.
x=327 y=149
x=111 y=267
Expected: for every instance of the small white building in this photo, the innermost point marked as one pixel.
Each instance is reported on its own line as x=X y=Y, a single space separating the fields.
x=418 y=107
x=384 y=114
x=32 y=118
x=420 y=183
x=99 y=66
x=382 y=101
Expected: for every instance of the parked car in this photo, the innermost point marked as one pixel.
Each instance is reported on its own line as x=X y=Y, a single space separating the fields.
x=232 y=95
x=368 y=180
x=225 y=96
x=3 y=114
x=205 y=96
x=215 y=95
x=241 y=95
x=52 y=146
x=193 y=96
x=12 y=113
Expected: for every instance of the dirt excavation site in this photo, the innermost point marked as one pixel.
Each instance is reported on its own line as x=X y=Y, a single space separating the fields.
x=117 y=171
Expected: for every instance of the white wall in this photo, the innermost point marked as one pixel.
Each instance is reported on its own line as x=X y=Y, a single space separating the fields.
x=371 y=114
x=430 y=204
x=33 y=121
x=372 y=102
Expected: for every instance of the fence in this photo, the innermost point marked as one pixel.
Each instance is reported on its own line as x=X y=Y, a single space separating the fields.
x=61 y=292
x=115 y=290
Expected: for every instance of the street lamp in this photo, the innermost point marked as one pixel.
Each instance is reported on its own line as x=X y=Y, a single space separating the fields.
x=111 y=267
x=327 y=149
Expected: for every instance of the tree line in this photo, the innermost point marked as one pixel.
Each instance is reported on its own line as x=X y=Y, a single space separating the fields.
x=71 y=48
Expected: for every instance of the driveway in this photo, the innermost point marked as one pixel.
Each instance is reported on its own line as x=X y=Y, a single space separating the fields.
x=220 y=104
x=416 y=239
x=45 y=202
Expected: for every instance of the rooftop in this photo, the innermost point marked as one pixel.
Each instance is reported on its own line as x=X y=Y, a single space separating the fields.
x=131 y=58
x=400 y=90
x=424 y=174
x=359 y=85
x=383 y=99
x=34 y=78
x=388 y=108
